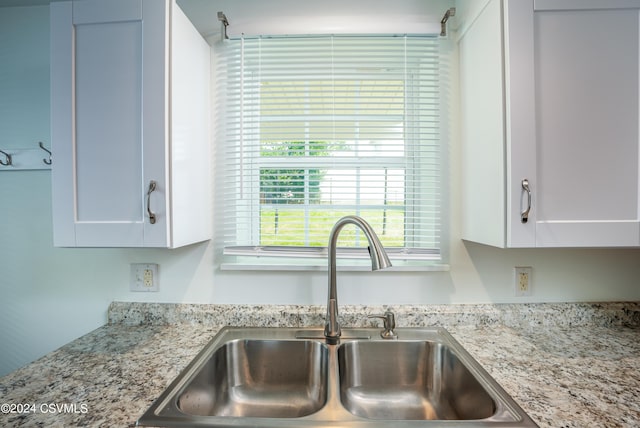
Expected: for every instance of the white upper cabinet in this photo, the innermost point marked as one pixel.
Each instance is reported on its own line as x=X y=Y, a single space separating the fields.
x=130 y=125
x=550 y=103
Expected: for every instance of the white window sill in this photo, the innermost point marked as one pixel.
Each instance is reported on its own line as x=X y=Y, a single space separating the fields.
x=242 y=266
x=314 y=259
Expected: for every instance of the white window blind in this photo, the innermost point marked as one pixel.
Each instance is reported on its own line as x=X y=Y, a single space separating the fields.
x=316 y=128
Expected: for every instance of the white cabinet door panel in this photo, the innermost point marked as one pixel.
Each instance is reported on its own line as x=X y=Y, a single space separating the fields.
x=587 y=115
x=109 y=121
x=108 y=116
x=482 y=114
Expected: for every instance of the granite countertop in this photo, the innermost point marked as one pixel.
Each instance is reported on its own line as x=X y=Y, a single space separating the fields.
x=567 y=365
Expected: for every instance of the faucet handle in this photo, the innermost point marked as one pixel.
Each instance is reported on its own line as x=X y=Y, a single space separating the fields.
x=389 y=322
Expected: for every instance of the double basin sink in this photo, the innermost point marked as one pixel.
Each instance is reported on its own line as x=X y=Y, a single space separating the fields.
x=279 y=377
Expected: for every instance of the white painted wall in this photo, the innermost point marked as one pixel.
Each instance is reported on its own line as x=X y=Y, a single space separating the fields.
x=49 y=296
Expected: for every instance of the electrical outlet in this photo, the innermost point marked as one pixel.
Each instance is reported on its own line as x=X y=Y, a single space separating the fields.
x=522 y=281
x=144 y=277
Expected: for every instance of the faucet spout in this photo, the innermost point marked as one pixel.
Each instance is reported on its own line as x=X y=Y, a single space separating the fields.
x=379 y=260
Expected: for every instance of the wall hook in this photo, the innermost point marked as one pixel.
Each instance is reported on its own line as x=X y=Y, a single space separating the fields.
x=47 y=161
x=9 y=160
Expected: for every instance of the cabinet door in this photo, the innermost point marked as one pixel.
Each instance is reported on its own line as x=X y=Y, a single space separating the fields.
x=482 y=127
x=587 y=122
x=498 y=131
x=108 y=116
x=520 y=129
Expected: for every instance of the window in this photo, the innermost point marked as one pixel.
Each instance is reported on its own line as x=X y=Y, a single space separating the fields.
x=316 y=128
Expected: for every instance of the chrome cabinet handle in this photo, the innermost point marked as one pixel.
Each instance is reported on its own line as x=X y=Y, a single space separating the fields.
x=524 y=215
x=152 y=188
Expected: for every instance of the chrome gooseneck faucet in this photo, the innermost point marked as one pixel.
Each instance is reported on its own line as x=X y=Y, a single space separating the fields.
x=379 y=260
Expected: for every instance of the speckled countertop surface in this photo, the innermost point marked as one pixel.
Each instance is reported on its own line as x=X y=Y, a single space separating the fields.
x=567 y=365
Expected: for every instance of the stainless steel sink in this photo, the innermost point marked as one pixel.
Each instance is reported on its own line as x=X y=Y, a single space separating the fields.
x=423 y=380
x=259 y=378
x=286 y=377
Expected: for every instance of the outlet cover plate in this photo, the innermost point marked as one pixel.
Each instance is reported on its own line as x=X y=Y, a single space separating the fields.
x=144 y=277
x=522 y=280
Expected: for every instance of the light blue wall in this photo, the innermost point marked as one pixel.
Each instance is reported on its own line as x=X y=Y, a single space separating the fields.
x=49 y=296
x=45 y=299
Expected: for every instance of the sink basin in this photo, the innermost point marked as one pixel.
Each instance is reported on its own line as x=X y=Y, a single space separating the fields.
x=409 y=381
x=259 y=378
x=285 y=377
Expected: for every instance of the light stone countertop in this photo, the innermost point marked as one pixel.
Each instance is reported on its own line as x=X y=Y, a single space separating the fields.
x=567 y=365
